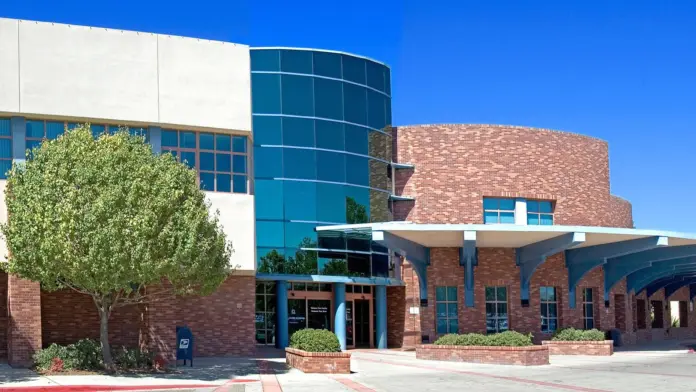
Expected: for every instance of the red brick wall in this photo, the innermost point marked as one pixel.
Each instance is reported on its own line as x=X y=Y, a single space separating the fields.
x=620 y=212
x=24 y=327
x=68 y=316
x=604 y=348
x=525 y=356
x=650 y=334
x=457 y=165
x=3 y=315
x=497 y=268
x=396 y=317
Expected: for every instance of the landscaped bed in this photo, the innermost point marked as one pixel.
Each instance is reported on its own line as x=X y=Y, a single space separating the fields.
x=571 y=341
x=506 y=348
x=317 y=351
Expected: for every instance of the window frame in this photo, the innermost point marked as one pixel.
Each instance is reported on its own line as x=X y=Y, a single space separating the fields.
x=447 y=302
x=198 y=150
x=8 y=137
x=585 y=304
x=267 y=292
x=496 y=302
x=545 y=302
x=498 y=211
x=538 y=213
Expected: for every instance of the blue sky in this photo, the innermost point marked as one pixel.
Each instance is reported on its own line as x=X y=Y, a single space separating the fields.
x=623 y=71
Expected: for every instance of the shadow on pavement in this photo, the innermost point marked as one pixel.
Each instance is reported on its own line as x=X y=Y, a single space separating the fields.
x=9 y=374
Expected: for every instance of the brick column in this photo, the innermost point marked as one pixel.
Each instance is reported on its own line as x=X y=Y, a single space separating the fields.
x=24 y=327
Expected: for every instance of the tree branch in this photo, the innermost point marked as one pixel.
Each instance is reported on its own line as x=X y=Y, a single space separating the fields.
x=139 y=298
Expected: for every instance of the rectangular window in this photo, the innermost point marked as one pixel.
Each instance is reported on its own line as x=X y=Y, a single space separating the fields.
x=588 y=309
x=640 y=314
x=5 y=147
x=446 y=303
x=220 y=159
x=549 y=309
x=656 y=314
x=496 y=309
x=683 y=314
x=497 y=210
x=265 y=313
x=539 y=212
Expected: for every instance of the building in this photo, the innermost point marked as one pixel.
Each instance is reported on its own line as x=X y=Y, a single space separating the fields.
x=390 y=236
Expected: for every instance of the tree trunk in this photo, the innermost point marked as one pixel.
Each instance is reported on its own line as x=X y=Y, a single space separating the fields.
x=104 y=336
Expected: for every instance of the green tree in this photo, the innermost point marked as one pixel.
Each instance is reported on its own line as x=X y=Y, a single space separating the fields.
x=355 y=212
x=108 y=218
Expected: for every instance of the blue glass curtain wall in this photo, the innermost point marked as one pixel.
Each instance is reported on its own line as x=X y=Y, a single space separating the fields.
x=322 y=147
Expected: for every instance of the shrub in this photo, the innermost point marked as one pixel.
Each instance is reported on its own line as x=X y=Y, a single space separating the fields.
x=132 y=358
x=86 y=354
x=43 y=359
x=577 y=335
x=57 y=365
x=315 y=340
x=508 y=338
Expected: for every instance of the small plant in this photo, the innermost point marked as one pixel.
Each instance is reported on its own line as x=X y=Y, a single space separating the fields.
x=57 y=365
x=133 y=358
x=86 y=354
x=507 y=338
x=315 y=340
x=578 y=335
x=43 y=359
x=675 y=322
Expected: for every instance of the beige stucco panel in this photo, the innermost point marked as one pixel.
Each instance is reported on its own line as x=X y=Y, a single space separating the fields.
x=87 y=72
x=9 y=66
x=237 y=220
x=206 y=83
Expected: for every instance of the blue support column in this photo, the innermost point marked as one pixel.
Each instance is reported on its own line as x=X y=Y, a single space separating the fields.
x=18 y=127
x=282 y=313
x=155 y=139
x=340 y=313
x=381 y=322
x=529 y=257
x=582 y=260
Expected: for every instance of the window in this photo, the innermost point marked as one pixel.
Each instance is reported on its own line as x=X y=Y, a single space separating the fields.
x=265 y=312
x=640 y=314
x=446 y=303
x=496 y=309
x=220 y=159
x=39 y=130
x=549 y=309
x=497 y=210
x=5 y=147
x=587 y=309
x=539 y=212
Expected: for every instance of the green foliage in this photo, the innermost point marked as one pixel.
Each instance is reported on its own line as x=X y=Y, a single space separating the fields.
x=100 y=214
x=315 y=340
x=132 y=358
x=43 y=359
x=355 y=212
x=675 y=322
x=86 y=354
x=572 y=334
x=336 y=267
x=507 y=338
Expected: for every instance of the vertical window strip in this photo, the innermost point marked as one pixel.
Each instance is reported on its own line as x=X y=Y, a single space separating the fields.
x=496 y=309
x=588 y=308
x=5 y=147
x=549 y=309
x=447 y=313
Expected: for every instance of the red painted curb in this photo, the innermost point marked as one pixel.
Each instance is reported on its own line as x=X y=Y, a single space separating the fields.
x=92 y=388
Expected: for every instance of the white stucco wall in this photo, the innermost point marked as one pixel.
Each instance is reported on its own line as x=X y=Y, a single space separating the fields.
x=52 y=69
x=237 y=220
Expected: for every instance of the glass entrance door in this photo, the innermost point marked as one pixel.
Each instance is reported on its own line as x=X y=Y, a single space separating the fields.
x=319 y=314
x=362 y=323
x=297 y=315
x=349 y=324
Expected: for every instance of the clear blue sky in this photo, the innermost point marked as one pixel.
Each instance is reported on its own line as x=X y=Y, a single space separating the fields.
x=623 y=71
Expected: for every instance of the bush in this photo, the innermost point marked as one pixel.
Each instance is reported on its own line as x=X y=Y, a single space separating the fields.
x=86 y=354
x=133 y=358
x=315 y=340
x=43 y=359
x=508 y=338
x=578 y=335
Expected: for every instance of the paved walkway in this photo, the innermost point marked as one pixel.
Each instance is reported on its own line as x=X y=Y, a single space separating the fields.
x=657 y=367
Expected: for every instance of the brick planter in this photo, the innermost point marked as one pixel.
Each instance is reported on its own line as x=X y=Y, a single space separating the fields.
x=310 y=362
x=524 y=356
x=599 y=348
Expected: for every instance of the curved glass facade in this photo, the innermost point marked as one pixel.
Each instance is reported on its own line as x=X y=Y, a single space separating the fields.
x=322 y=148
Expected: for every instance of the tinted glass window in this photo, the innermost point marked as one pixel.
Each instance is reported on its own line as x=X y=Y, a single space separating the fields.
x=327 y=64
x=357 y=204
x=380 y=265
x=300 y=200
x=5 y=127
x=299 y=163
x=207 y=161
x=357 y=170
x=187 y=139
x=267 y=130
x=54 y=129
x=270 y=234
x=298 y=96
x=375 y=75
x=330 y=135
x=354 y=69
x=376 y=110
x=268 y=162
x=355 y=103
x=359 y=264
x=331 y=203
x=223 y=142
x=328 y=98
x=356 y=139
x=5 y=148
x=223 y=182
x=266 y=96
x=35 y=128
x=239 y=163
x=239 y=144
x=265 y=60
x=298 y=132
x=206 y=141
x=296 y=61
x=269 y=199
x=300 y=234
x=331 y=166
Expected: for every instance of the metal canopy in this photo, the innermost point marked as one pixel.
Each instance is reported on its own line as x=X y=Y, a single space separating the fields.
x=640 y=256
